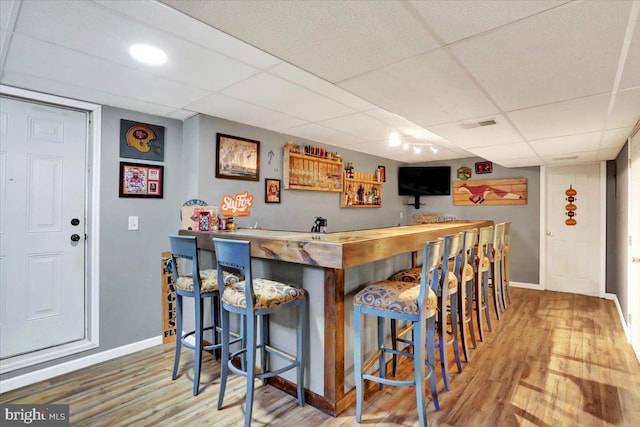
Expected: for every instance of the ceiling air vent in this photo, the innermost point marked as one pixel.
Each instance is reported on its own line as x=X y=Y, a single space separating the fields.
x=565 y=158
x=483 y=123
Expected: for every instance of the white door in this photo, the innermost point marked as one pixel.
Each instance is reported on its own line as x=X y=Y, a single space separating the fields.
x=573 y=229
x=634 y=267
x=42 y=270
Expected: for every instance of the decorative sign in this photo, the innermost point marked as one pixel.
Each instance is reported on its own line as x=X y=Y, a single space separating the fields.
x=571 y=208
x=464 y=173
x=236 y=206
x=484 y=167
x=168 y=300
x=141 y=141
x=509 y=191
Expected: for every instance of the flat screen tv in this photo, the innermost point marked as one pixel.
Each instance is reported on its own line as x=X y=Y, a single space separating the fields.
x=424 y=180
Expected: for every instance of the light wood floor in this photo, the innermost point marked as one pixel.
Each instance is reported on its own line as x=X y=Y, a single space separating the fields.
x=553 y=360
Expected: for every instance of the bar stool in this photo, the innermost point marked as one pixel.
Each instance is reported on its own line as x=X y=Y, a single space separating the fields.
x=197 y=284
x=496 y=269
x=506 y=277
x=483 y=265
x=465 y=293
x=448 y=302
x=404 y=301
x=253 y=298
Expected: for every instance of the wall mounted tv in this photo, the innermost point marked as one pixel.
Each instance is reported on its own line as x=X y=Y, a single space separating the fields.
x=424 y=181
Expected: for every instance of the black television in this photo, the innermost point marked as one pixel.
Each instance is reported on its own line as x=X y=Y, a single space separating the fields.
x=424 y=181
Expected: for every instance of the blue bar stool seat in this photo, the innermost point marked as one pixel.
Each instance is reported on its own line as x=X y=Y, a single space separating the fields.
x=254 y=298
x=199 y=285
x=404 y=301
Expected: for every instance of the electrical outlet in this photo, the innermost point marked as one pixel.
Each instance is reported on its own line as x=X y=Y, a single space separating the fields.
x=133 y=223
x=401 y=214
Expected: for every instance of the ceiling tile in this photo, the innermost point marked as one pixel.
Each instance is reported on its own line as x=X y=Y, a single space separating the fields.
x=478 y=16
x=463 y=135
x=281 y=95
x=626 y=109
x=429 y=89
x=52 y=62
x=233 y=109
x=562 y=118
x=519 y=163
x=615 y=138
x=549 y=57
x=316 y=84
x=334 y=40
x=160 y=16
x=505 y=151
x=97 y=32
x=608 y=154
x=88 y=94
x=359 y=124
x=572 y=143
x=580 y=157
x=316 y=132
x=631 y=73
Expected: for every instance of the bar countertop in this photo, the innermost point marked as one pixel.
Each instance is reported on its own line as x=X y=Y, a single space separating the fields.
x=341 y=249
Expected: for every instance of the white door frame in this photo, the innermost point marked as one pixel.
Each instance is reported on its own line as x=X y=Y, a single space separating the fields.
x=603 y=228
x=92 y=254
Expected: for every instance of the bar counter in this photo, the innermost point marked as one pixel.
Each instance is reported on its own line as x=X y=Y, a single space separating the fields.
x=332 y=267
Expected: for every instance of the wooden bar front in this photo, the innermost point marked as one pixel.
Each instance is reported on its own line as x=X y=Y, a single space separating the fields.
x=335 y=252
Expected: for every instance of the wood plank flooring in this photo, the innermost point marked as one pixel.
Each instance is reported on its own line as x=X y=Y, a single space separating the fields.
x=554 y=359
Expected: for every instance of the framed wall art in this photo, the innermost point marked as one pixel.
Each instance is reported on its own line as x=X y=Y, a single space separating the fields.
x=141 y=141
x=237 y=158
x=484 y=167
x=140 y=180
x=271 y=190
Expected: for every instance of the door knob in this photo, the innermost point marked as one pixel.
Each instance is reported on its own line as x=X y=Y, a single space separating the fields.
x=75 y=238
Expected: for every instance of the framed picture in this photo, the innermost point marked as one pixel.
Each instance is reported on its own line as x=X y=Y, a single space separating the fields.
x=237 y=158
x=484 y=167
x=271 y=190
x=140 y=180
x=383 y=173
x=141 y=141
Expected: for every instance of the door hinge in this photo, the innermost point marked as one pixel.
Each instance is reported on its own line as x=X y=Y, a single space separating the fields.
x=86 y=237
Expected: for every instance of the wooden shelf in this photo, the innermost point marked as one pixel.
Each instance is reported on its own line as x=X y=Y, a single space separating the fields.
x=370 y=189
x=311 y=173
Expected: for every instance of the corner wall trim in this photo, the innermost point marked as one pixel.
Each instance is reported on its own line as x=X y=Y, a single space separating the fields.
x=74 y=365
x=526 y=285
x=623 y=322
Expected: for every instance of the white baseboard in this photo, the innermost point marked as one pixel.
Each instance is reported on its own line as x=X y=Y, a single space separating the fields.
x=525 y=285
x=74 y=365
x=623 y=322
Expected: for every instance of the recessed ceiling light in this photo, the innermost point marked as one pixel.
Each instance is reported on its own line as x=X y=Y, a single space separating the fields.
x=148 y=54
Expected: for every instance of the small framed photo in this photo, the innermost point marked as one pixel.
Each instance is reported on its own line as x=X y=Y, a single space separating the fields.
x=271 y=190
x=140 y=180
x=237 y=158
x=484 y=167
x=382 y=172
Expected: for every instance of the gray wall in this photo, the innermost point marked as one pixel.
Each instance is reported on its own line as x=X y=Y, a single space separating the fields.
x=297 y=209
x=130 y=309
x=617 y=227
x=525 y=230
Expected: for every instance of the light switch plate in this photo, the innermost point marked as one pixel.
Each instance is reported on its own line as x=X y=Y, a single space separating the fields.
x=133 y=223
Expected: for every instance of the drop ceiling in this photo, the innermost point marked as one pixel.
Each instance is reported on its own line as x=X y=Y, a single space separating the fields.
x=561 y=79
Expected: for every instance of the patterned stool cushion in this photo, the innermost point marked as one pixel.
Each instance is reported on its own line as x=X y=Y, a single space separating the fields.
x=467 y=273
x=414 y=275
x=485 y=264
x=396 y=296
x=208 y=280
x=269 y=293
